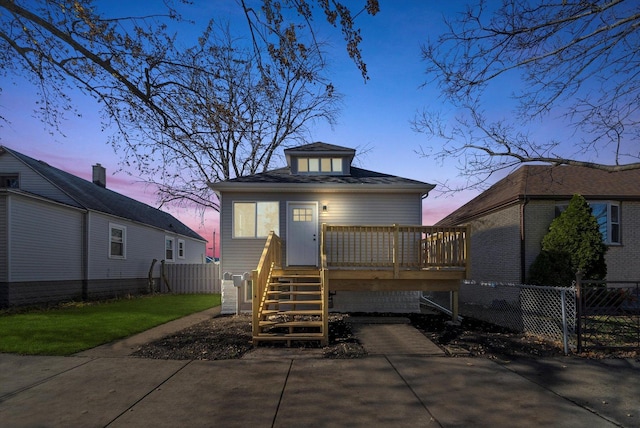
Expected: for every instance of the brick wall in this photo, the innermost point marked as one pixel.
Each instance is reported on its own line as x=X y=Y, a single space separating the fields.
x=495 y=246
x=623 y=261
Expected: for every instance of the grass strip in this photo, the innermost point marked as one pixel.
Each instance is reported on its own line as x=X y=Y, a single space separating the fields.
x=74 y=327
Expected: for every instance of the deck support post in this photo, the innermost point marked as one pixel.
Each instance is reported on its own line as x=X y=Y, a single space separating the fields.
x=454 y=306
x=255 y=302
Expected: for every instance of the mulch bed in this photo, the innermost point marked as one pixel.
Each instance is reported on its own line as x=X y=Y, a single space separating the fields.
x=229 y=337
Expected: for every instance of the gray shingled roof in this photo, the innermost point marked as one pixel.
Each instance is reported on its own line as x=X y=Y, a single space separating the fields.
x=358 y=177
x=319 y=147
x=90 y=196
x=551 y=183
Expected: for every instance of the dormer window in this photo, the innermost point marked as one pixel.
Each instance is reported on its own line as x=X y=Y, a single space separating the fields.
x=320 y=165
x=9 y=181
x=320 y=159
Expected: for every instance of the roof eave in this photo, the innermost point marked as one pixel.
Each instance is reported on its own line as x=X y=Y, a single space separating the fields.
x=320 y=188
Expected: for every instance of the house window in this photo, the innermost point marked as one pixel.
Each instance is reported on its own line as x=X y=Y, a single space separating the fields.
x=169 y=244
x=302 y=214
x=9 y=181
x=255 y=219
x=608 y=216
x=322 y=165
x=117 y=241
x=181 y=248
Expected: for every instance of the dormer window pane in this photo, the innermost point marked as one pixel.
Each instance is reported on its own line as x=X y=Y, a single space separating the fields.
x=303 y=165
x=9 y=181
x=337 y=164
x=314 y=165
x=325 y=165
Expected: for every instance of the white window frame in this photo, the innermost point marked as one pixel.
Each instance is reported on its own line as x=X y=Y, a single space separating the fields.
x=319 y=165
x=181 y=248
x=256 y=220
x=610 y=224
x=608 y=240
x=123 y=230
x=172 y=240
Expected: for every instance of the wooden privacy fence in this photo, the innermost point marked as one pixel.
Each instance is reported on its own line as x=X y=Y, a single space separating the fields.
x=192 y=278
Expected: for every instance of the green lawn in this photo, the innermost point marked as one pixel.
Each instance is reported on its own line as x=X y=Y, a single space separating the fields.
x=76 y=327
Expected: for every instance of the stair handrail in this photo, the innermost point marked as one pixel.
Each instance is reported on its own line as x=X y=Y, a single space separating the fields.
x=271 y=257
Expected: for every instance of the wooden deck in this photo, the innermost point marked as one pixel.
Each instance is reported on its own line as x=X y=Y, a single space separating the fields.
x=292 y=304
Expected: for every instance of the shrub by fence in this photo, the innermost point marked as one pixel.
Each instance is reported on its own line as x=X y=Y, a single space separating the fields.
x=191 y=278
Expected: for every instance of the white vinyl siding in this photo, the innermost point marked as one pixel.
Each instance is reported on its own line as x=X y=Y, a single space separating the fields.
x=46 y=242
x=4 y=239
x=32 y=182
x=144 y=244
x=242 y=255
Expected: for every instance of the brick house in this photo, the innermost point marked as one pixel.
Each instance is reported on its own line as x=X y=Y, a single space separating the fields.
x=508 y=221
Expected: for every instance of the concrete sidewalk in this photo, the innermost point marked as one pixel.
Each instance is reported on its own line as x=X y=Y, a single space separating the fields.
x=393 y=391
x=406 y=381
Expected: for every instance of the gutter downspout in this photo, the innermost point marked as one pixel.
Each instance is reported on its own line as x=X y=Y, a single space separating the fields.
x=85 y=256
x=523 y=252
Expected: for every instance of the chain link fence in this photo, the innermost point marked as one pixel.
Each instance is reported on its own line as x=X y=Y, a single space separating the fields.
x=549 y=312
x=608 y=314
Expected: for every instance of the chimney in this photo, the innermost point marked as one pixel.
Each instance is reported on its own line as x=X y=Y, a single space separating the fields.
x=99 y=175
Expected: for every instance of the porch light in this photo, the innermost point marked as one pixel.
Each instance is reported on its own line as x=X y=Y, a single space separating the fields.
x=325 y=207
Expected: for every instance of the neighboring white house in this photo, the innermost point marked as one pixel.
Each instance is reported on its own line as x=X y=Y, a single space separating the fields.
x=63 y=237
x=318 y=186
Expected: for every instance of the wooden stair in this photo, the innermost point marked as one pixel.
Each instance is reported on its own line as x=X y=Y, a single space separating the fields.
x=293 y=308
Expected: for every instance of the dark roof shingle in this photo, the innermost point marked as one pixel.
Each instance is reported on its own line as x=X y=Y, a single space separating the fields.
x=358 y=176
x=93 y=197
x=550 y=182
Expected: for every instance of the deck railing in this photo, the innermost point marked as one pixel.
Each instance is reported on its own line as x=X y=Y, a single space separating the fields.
x=395 y=247
x=271 y=257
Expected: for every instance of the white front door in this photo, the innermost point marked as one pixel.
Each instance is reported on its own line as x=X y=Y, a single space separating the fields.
x=302 y=234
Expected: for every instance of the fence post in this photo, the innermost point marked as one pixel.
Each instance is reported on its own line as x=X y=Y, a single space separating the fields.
x=579 y=309
x=565 y=328
x=396 y=267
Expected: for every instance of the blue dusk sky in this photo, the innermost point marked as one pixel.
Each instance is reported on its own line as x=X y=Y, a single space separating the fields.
x=375 y=115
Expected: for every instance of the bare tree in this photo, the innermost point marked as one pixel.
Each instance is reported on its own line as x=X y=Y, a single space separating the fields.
x=205 y=113
x=230 y=112
x=577 y=63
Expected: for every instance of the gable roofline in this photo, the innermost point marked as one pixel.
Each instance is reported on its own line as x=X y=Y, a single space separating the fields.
x=549 y=182
x=92 y=197
x=319 y=149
